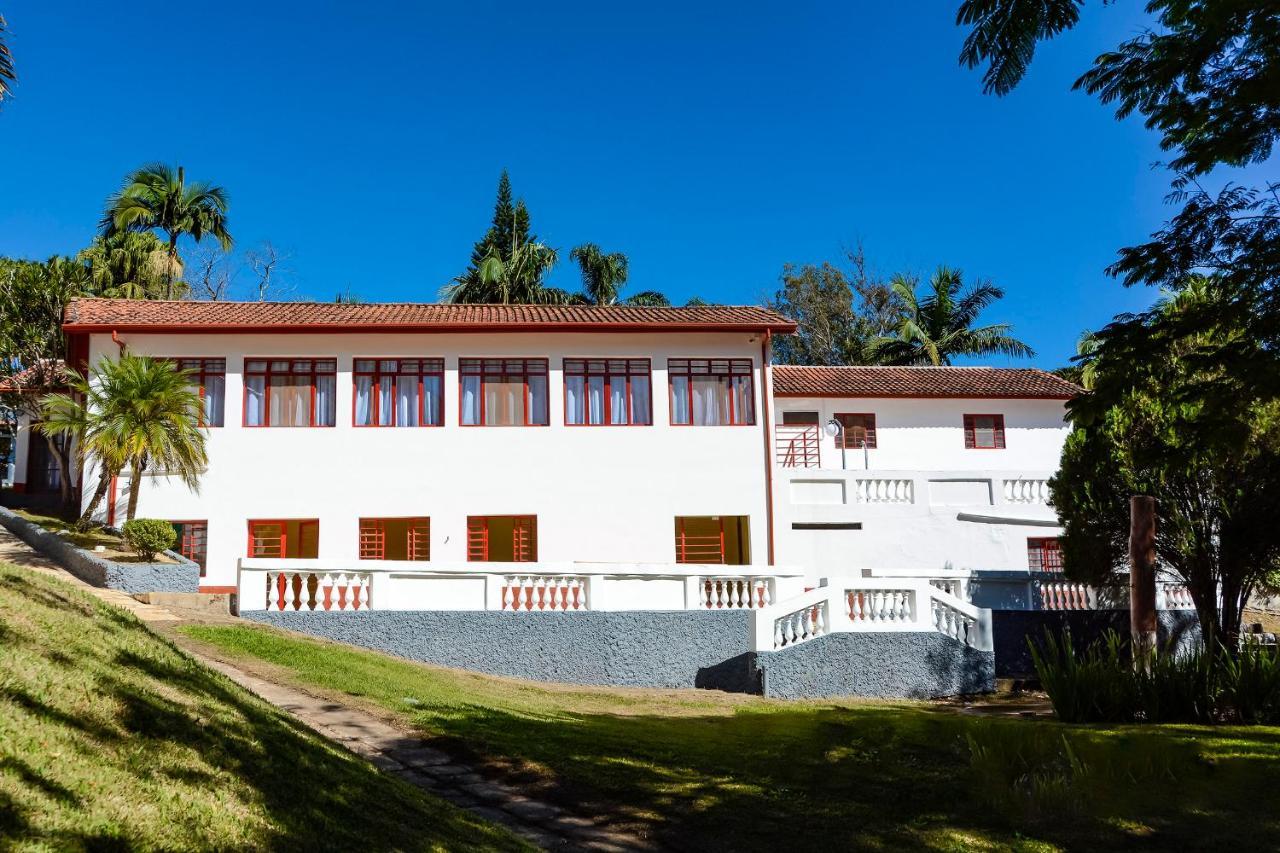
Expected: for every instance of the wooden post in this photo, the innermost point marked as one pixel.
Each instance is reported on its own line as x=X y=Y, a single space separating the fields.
x=1142 y=577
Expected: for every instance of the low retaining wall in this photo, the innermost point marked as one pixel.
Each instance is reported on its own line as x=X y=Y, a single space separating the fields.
x=890 y=665
x=181 y=576
x=1012 y=628
x=627 y=649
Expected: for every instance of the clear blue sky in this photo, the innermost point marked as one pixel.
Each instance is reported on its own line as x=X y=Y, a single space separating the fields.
x=710 y=142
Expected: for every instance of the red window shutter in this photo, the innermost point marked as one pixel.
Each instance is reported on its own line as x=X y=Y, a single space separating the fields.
x=525 y=547
x=420 y=539
x=969 y=440
x=477 y=539
x=999 y=431
x=870 y=422
x=373 y=539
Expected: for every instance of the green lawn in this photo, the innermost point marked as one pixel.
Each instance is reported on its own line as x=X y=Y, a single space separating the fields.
x=113 y=739
x=710 y=771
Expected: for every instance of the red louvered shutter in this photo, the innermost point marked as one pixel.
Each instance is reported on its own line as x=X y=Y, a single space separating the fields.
x=970 y=441
x=998 y=428
x=870 y=422
x=477 y=539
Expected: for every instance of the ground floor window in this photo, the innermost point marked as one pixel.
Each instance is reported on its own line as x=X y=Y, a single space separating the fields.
x=502 y=538
x=285 y=538
x=713 y=539
x=1044 y=555
x=192 y=541
x=395 y=539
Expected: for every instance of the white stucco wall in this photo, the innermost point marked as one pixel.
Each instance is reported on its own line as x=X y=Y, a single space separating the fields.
x=925 y=501
x=600 y=493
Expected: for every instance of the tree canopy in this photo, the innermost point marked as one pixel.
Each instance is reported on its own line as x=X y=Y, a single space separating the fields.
x=7 y=74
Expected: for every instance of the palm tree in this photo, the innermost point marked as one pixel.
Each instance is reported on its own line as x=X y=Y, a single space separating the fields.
x=157 y=197
x=514 y=280
x=132 y=412
x=129 y=265
x=602 y=275
x=939 y=327
x=7 y=74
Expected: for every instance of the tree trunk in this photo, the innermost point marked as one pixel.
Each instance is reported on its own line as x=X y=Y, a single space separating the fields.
x=173 y=260
x=104 y=483
x=135 y=485
x=63 y=458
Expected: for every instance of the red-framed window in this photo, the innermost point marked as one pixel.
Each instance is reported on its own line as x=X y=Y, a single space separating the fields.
x=608 y=392
x=503 y=392
x=711 y=391
x=209 y=378
x=193 y=541
x=395 y=539
x=721 y=539
x=290 y=392
x=984 y=432
x=858 y=430
x=398 y=392
x=279 y=538
x=502 y=538
x=1044 y=554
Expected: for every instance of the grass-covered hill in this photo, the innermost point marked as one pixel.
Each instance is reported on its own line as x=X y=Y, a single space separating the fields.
x=112 y=739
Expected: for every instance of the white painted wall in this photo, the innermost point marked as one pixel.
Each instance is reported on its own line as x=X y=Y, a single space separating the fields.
x=607 y=494
x=926 y=501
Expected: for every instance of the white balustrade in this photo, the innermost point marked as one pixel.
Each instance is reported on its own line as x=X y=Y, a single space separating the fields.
x=801 y=625
x=1173 y=596
x=305 y=590
x=897 y=490
x=720 y=593
x=543 y=592
x=957 y=586
x=954 y=623
x=1026 y=491
x=878 y=606
x=1066 y=595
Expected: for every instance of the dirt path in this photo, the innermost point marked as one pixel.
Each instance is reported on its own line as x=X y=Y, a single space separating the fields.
x=391 y=749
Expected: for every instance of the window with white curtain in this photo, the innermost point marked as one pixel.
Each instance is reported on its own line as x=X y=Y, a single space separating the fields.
x=607 y=392
x=296 y=392
x=209 y=380
x=711 y=391
x=399 y=392
x=503 y=391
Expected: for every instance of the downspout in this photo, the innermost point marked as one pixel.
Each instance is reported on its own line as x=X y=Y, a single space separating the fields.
x=766 y=388
x=115 y=338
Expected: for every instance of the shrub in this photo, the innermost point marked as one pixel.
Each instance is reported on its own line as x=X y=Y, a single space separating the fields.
x=1101 y=685
x=148 y=536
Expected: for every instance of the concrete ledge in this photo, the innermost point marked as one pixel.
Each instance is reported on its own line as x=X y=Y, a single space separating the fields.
x=897 y=665
x=180 y=576
x=625 y=649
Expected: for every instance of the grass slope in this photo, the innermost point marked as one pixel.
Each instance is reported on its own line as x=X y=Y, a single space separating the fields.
x=711 y=771
x=112 y=739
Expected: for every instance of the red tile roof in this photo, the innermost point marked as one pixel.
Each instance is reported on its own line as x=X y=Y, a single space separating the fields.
x=791 y=381
x=83 y=315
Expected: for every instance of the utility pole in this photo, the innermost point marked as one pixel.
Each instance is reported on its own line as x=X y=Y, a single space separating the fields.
x=1142 y=578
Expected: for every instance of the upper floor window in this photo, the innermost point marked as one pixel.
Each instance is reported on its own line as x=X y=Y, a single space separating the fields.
x=711 y=391
x=858 y=431
x=400 y=392
x=984 y=432
x=503 y=391
x=613 y=391
x=296 y=392
x=209 y=376
x=1044 y=554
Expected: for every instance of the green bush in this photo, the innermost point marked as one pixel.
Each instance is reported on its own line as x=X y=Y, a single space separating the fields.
x=148 y=536
x=1100 y=684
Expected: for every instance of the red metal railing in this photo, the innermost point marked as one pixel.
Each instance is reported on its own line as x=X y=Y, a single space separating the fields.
x=798 y=446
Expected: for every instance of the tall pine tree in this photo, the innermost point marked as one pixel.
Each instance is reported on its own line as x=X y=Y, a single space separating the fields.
x=509 y=229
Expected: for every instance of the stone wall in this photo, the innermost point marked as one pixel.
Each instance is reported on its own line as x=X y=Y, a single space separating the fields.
x=890 y=665
x=628 y=649
x=1012 y=628
x=180 y=576
x=656 y=649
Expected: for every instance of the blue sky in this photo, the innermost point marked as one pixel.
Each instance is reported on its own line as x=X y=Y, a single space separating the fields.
x=710 y=142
